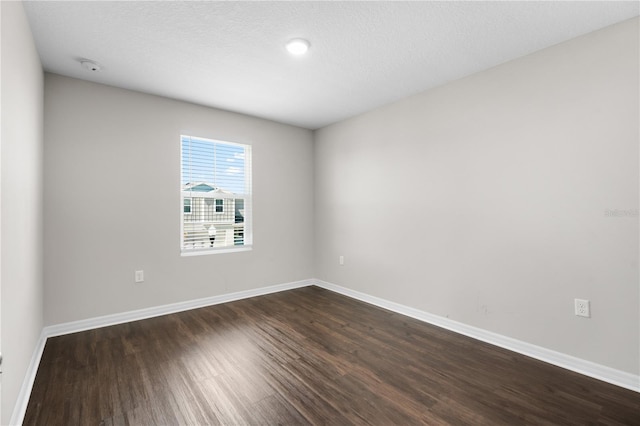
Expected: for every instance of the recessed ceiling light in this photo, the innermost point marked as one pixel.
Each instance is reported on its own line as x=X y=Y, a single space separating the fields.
x=298 y=46
x=90 y=65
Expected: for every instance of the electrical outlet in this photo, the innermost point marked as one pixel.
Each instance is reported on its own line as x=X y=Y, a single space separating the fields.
x=341 y=260
x=139 y=276
x=582 y=308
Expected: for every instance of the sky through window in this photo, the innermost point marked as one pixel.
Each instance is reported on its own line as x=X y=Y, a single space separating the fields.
x=218 y=163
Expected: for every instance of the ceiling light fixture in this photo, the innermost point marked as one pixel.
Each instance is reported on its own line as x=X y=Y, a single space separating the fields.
x=298 y=46
x=90 y=65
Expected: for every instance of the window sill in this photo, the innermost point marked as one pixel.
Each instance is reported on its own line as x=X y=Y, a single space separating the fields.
x=215 y=251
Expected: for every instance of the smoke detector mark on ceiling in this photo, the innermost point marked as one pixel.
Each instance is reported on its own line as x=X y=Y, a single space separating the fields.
x=90 y=65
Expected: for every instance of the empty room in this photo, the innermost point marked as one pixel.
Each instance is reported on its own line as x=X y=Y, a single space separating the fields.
x=377 y=212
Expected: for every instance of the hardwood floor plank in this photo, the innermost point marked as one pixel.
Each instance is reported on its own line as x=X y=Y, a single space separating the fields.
x=306 y=356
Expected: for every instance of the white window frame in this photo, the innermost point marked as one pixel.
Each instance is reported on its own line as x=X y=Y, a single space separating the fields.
x=248 y=204
x=190 y=205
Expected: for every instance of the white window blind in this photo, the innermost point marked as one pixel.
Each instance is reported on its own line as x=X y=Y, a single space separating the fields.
x=216 y=187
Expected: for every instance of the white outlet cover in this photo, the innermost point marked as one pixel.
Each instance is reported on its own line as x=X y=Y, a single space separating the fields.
x=582 y=308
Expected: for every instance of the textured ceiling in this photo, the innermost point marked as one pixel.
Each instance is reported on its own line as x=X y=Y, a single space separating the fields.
x=231 y=55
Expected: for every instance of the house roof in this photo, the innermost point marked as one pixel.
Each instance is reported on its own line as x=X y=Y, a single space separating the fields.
x=203 y=187
x=199 y=187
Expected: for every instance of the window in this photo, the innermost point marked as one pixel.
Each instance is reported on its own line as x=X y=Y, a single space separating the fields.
x=216 y=195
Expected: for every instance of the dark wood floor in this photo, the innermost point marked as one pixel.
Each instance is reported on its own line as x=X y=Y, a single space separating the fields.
x=306 y=356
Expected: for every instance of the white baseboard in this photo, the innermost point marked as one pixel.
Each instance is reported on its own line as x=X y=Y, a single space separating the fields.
x=587 y=368
x=72 y=327
x=20 y=408
x=107 y=320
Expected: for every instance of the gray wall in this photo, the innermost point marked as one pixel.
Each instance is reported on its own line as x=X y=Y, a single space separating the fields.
x=112 y=202
x=21 y=200
x=484 y=200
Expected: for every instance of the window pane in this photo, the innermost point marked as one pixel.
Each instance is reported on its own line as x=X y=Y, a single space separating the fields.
x=216 y=179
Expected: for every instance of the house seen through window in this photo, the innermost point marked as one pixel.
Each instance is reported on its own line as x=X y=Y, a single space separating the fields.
x=215 y=194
